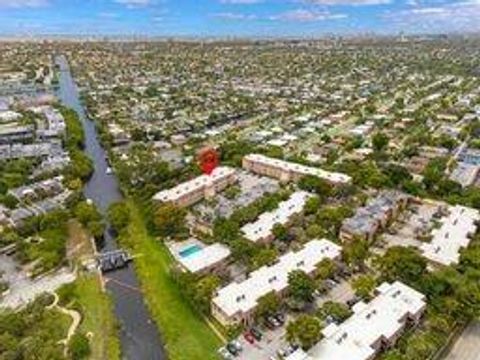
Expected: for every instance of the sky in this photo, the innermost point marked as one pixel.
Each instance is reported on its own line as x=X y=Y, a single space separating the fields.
x=237 y=18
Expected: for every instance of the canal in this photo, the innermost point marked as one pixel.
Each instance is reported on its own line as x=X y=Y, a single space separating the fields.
x=139 y=336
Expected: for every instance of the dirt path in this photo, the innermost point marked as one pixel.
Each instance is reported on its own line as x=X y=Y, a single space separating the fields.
x=76 y=318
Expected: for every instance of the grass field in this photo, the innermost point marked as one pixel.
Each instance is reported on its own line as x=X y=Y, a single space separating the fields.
x=185 y=334
x=98 y=318
x=95 y=305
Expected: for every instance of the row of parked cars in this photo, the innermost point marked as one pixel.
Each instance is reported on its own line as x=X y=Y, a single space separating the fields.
x=234 y=347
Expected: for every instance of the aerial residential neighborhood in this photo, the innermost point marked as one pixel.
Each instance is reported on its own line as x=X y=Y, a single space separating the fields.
x=239 y=179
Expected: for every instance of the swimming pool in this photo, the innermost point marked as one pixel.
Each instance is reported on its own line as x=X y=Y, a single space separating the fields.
x=190 y=250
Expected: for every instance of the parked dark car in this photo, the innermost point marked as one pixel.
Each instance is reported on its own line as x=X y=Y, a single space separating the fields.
x=225 y=354
x=280 y=318
x=353 y=301
x=232 y=349
x=256 y=333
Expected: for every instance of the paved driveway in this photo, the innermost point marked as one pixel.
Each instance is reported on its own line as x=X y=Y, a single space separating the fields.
x=267 y=347
x=467 y=346
x=23 y=289
x=340 y=293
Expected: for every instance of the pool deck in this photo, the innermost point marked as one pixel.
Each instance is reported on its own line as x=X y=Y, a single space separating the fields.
x=177 y=247
x=199 y=257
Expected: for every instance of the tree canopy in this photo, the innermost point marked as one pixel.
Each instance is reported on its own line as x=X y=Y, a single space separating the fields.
x=301 y=286
x=402 y=263
x=169 y=220
x=305 y=330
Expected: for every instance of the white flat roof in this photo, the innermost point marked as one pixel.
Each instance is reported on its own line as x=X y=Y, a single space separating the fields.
x=299 y=354
x=205 y=257
x=381 y=317
x=9 y=115
x=262 y=228
x=242 y=297
x=277 y=142
x=465 y=174
x=452 y=235
x=299 y=169
x=197 y=183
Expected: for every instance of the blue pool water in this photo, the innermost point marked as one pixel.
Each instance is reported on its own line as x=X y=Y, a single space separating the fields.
x=189 y=251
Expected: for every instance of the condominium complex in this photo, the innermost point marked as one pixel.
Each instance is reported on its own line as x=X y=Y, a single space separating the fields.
x=372 y=217
x=374 y=326
x=10 y=133
x=37 y=150
x=453 y=234
x=261 y=229
x=55 y=125
x=287 y=171
x=203 y=186
x=236 y=303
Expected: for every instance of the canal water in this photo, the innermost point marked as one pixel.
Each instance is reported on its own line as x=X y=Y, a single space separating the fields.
x=139 y=336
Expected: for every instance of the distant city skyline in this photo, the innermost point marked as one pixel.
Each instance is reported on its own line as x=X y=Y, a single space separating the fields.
x=241 y=18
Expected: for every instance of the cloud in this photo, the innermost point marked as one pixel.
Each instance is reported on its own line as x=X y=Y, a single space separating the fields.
x=108 y=15
x=134 y=3
x=461 y=16
x=240 y=2
x=347 y=2
x=303 y=15
x=23 y=3
x=428 y=11
x=234 y=16
x=298 y=15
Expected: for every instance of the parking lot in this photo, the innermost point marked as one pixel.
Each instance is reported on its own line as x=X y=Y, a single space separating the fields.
x=275 y=340
x=266 y=348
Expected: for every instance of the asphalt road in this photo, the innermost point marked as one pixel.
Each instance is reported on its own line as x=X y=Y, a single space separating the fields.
x=467 y=346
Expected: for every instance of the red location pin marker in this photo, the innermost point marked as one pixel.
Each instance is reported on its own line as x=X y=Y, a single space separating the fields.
x=208 y=160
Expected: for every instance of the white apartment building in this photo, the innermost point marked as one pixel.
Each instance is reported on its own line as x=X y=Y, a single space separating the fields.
x=9 y=116
x=236 y=303
x=287 y=171
x=261 y=229
x=203 y=186
x=374 y=326
x=453 y=234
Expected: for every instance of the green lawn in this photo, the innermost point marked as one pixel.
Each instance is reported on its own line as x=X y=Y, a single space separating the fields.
x=186 y=335
x=98 y=318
